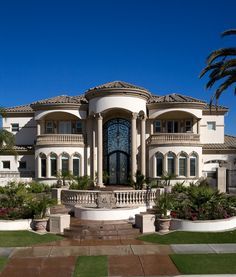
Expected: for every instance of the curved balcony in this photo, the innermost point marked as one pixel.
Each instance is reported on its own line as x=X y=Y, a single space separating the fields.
x=60 y=139
x=174 y=138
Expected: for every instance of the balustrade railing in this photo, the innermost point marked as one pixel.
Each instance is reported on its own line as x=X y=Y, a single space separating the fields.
x=60 y=138
x=124 y=198
x=167 y=138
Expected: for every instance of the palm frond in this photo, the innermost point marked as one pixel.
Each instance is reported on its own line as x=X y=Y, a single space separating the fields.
x=228 y=64
x=2 y=111
x=210 y=67
x=224 y=86
x=219 y=75
x=223 y=52
x=229 y=32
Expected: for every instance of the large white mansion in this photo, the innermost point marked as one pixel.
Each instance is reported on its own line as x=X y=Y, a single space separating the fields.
x=118 y=128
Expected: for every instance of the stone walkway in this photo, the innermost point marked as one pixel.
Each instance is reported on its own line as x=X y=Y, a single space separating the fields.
x=125 y=257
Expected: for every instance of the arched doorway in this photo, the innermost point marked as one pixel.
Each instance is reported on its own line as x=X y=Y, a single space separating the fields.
x=116 y=142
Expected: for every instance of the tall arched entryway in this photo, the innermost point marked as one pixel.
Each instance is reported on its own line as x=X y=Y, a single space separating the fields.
x=116 y=150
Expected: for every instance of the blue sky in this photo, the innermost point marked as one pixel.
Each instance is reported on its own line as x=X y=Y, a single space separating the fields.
x=58 y=47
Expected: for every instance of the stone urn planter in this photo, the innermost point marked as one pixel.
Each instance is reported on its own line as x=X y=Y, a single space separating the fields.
x=164 y=203
x=40 y=225
x=163 y=225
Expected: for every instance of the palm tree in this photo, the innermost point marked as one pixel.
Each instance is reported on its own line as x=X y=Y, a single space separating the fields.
x=221 y=66
x=7 y=139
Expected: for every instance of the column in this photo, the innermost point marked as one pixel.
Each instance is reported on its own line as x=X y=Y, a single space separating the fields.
x=151 y=127
x=133 y=145
x=100 y=151
x=71 y=165
x=39 y=166
x=38 y=128
x=59 y=164
x=48 y=167
x=143 y=145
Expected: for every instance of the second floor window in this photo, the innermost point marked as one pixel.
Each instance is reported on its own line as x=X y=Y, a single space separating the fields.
x=188 y=126
x=211 y=125
x=6 y=164
x=49 y=127
x=15 y=127
x=157 y=126
x=172 y=126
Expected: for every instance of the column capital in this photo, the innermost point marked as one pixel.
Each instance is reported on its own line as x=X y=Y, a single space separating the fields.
x=134 y=115
x=99 y=116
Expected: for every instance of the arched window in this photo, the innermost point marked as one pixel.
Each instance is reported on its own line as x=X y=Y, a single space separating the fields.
x=193 y=165
x=53 y=163
x=171 y=163
x=65 y=163
x=159 y=164
x=183 y=164
x=76 y=165
x=43 y=164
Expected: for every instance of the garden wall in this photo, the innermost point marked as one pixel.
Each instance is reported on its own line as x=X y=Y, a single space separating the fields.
x=203 y=225
x=14 y=225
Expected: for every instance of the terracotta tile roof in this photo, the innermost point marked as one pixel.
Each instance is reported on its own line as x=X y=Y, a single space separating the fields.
x=62 y=99
x=215 y=108
x=19 y=109
x=174 y=98
x=229 y=144
x=117 y=84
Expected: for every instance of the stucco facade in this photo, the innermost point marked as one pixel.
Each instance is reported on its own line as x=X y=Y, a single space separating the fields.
x=117 y=128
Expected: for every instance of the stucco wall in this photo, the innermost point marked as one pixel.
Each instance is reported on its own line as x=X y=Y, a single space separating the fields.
x=212 y=136
x=129 y=103
x=14 y=162
x=27 y=129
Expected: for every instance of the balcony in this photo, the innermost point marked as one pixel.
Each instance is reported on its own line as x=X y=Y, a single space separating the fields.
x=174 y=138
x=60 y=139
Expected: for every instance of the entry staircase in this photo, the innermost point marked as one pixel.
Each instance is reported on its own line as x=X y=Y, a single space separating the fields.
x=97 y=230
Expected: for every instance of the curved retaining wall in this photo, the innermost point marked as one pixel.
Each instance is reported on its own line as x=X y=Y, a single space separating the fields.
x=107 y=214
x=14 y=225
x=203 y=225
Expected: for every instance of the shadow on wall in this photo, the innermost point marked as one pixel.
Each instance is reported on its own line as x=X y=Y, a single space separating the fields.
x=27 y=134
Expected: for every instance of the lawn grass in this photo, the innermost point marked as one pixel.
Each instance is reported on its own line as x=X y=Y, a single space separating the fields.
x=25 y=238
x=3 y=261
x=88 y=266
x=181 y=237
x=205 y=263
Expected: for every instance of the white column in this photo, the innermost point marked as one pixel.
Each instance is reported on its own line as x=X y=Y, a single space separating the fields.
x=38 y=128
x=133 y=145
x=48 y=167
x=100 y=151
x=39 y=166
x=71 y=165
x=143 y=145
x=59 y=164
x=151 y=127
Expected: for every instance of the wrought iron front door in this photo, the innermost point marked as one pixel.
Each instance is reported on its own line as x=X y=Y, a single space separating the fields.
x=117 y=150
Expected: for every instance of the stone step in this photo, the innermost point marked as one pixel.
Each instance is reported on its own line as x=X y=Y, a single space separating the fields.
x=124 y=226
x=100 y=230
x=86 y=232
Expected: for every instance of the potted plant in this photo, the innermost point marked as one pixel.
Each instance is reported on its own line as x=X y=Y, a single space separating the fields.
x=40 y=206
x=163 y=206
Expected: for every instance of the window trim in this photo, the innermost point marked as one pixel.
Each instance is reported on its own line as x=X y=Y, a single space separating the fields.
x=8 y=167
x=213 y=124
x=15 y=127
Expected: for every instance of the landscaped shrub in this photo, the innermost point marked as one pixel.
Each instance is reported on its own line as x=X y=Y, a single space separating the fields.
x=35 y=187
x=16 y=199
x=81 y=183
x=202 y=203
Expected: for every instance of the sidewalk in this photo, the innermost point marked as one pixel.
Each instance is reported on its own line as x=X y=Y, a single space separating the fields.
x=125 y=257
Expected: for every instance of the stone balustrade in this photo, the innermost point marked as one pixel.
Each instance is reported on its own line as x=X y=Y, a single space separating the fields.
x=171 y=138
x=123 y=198
x=64 y=139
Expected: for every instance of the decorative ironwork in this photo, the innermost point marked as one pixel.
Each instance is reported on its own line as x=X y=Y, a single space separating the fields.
x=117 y=150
